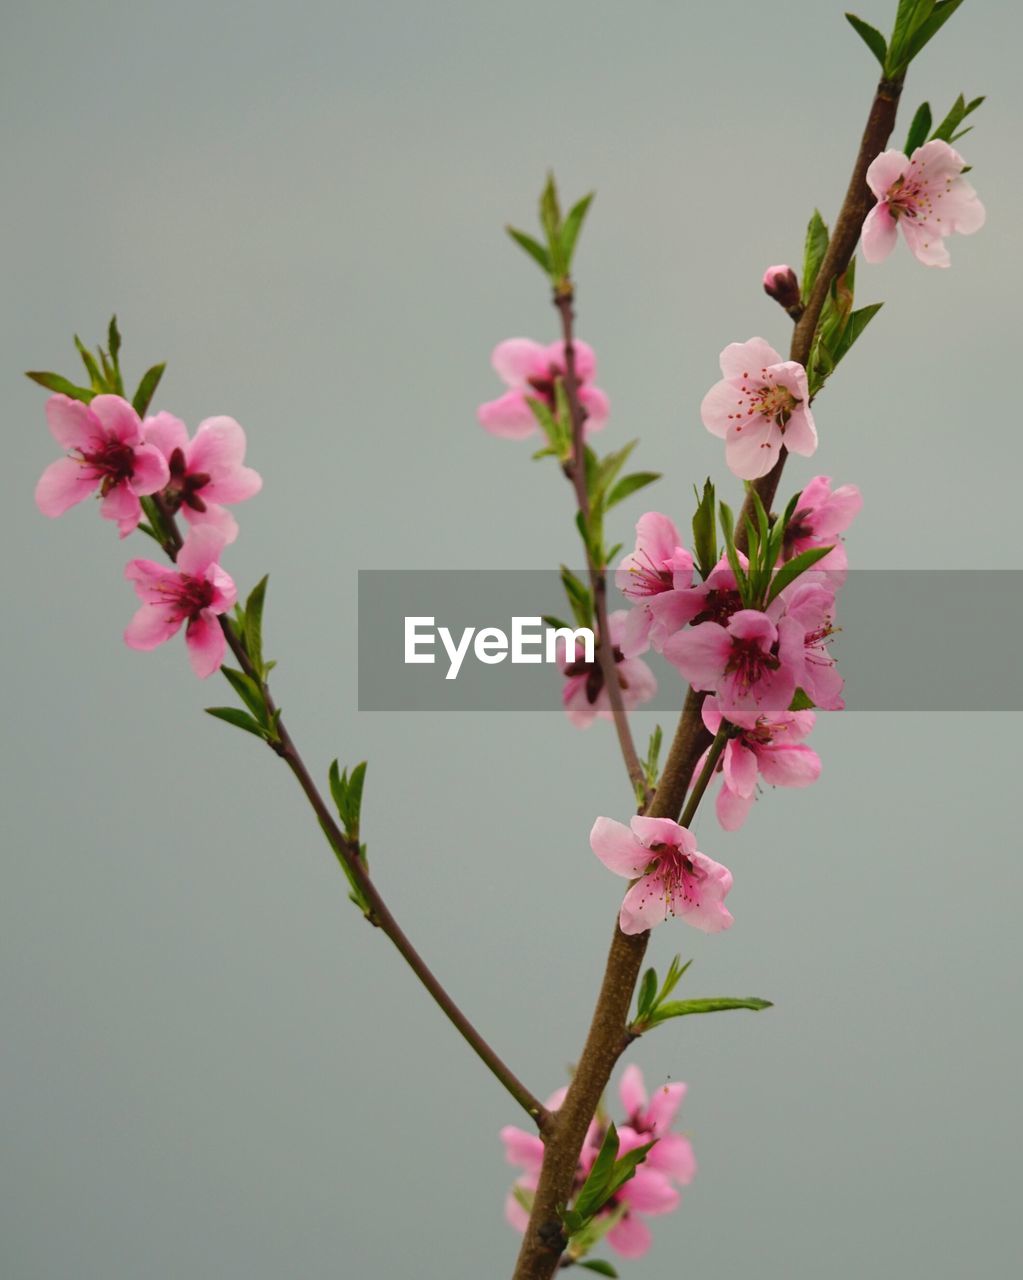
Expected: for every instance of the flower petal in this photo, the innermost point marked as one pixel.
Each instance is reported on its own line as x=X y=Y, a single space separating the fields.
x=64 y=483
x=645 y=905
x=742 y=359
x=879 y=234
x=630 y=1237
x=632 y=1091
x=206 y=644
x=618 y=849
x=166 y=432
x=152 y=625
x=201 y=549
x=509 y=416
x=149 y=470
x=73 y=424
x=516 y=360
x=118 y=418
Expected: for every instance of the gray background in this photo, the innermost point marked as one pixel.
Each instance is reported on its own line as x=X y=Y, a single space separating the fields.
x=210 y=1066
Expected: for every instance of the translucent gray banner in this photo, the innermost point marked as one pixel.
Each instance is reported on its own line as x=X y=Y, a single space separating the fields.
x=907 y=640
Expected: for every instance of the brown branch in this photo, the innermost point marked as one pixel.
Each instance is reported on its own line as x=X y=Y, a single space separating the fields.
x=543 y=1242
x=576 y=468
x=347 y=852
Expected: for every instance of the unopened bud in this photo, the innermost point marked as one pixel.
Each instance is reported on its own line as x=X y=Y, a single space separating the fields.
x=780 y=283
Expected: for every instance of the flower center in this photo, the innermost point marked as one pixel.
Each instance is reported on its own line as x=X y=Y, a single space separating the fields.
x=718 y=606
x=647 y=579
x=183 y=487
x=594 y=674
x=907 y=198
x=775 y=403
x=190 y=596
x=748 y=662
x=113 y=462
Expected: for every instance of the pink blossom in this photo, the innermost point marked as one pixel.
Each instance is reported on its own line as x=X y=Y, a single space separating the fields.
x=672 y=877
x=927 y=195
x=105 y=452
x=772 y=750
x=530 y=371
x=652 y=1188
x=751 y=663
x=193 y=592
x=205 y=472
x=584 y=695
x=652 y=575
x=807 y=609
x=821 y=515
x=781 y=284
x=761 y=403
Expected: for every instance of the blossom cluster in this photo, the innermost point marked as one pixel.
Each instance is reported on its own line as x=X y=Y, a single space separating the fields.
x=124 y=459
x=653 y=1188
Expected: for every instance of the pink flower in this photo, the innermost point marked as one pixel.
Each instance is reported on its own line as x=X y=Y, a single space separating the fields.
x=772 y=750
x=761 y=404
x=821 y=515
x=530 y=371
x=781 y=284
x=105 y=452
x=672 y=877
x=584 y=695
x=193 y=592
x=751 y=663
x=807 y=609
x=927 y=196
x=205 y=471
x=650 y=1191
x=653 y=575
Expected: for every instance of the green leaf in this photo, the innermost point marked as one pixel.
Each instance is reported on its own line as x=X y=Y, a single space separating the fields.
x=629 y=485
x=713 y=1004
x=143 y=397
x=54 y=382
x=91 y=367
x=958 y=112
x=550 y=220
x=601 y=473
x=535 y=250
x=240 y=719
x=114 y=345
x=927 y=30
x=572 y=226
x=919 y=129
x=651 y=766
x=253 y=630
x=600 y=1267
x=626 y=1167
x=558 y=624
x=801 y=701
x=705 y=534
x=579 y=598
x=908 y=17
x=594 y=1192
x=353 y=811
x=554 y=428
x=647 y=994
x=854 y=326
x=791 y=570
x=871 y=37
x=250 y=693
x=815 y=248
x=672 y=978
x=728 y=528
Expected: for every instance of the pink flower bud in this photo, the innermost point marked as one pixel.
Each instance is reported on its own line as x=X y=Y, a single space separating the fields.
x=780 y=283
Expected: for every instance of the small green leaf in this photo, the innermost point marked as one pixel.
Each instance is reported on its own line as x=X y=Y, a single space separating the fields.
x=240 y=719
x=908 y=16
x=114 y=345
x=143 y=397
x=535 y=250
x=91 y=367
x=579 y=598
x=629 y=485
x=927 y=30
x=854 y=326
x=550 y=220
x=813 y=252
x=960 y=109
x=647 y=994
x=557 y=624
x=792 y=569
x=705 y=534
x=594 y=1192
x=54 y=382
x=652 y=766
x=728 y=528
x=801 y=701
x=253 y=630
x=919 y=129
x=714 y=1004
x=871 y=37
x=572 y=226
x=600 y=1267
x=353 y=812
x=249 y=691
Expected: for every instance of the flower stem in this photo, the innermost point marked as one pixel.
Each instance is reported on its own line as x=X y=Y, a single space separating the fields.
x=564 y=299
x=347 y=851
